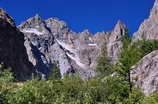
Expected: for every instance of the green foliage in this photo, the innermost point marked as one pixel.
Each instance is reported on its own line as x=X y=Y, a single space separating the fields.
x=6 y=76
x=6 y=82
x=105 y=89
x=70 y=90
x=104 y=67
x=135 y=97
x=152 y=99
x=55 y=72
x=133 y=52
x=116 y=90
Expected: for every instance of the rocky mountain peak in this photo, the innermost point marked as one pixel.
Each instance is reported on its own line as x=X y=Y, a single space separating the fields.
x=6 y=17
x=119 y=27
x=55 y=23
x=37 y=17
x=114 y=43
x=34 y=25
x=154 y=11
x=85 y=32
x=32 y=22
x=148 y=30
x=156 y=4
x=119 y=30
x=57 y=27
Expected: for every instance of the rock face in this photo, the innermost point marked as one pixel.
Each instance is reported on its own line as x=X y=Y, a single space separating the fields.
x=12 y=50
x=145 y=73
x=73 y=52
x=114 y=43
x=149 y=28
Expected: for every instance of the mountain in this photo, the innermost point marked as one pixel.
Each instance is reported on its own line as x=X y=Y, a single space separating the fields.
x=73 y=52
x=12 y=50
x=36 y=45
x=145 y=72
x=148 y=30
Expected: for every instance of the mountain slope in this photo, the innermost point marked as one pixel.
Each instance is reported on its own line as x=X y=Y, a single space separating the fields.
x=73 y=52
x=12 y=51
x=148 y=30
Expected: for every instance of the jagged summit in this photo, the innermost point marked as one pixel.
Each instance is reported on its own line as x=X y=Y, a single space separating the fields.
x=34 y=25
x=32 y=22
x=120 y=24
x=119 y=29
x=154 y=10
x=149 y=28
x=6 y=17
x=56 y=23
x=37 y=17
x=156 y=4
x=74 y=52
x=85 y=32
x=51 y=42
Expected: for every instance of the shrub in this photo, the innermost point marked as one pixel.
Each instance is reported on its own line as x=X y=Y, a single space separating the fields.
x=104 y=67
x=152 y=99
x=54 y=72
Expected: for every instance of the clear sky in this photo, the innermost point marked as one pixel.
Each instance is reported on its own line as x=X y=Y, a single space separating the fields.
x=95 y=15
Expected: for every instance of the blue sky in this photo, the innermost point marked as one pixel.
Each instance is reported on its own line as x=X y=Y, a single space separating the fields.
x=95 y=15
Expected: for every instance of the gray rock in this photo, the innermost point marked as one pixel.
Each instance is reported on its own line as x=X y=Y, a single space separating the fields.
x=148 y=30
x=42 y=48
x=37 y=59
x=73 y=52
x=114 y=43
x=145 y=73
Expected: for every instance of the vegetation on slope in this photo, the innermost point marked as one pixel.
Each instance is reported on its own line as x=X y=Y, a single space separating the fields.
x=112 y=86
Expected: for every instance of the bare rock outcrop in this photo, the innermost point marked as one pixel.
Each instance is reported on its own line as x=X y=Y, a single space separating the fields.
x=145 y=73
x=114 y=43
x=148 y=30
x=73 y=52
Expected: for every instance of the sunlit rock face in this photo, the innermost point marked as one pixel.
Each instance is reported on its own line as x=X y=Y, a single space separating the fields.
x=145 y=73
x=73 y=52
x=148 y=30
x=12 y=50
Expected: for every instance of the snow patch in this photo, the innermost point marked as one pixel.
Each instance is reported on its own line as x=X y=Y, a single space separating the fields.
x=77 y=60
x=66 y=46
x=90 y=38
x=32 y=30
x=92 y=44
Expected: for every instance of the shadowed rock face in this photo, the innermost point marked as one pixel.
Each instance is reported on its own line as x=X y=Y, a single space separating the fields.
x=145 y=73
x=12 y=51
x=74 y=52
x=149 y=28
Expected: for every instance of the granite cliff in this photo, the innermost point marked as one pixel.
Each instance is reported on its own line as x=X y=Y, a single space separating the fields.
x=37 y=44
x=144 y=73
x=73 y=52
